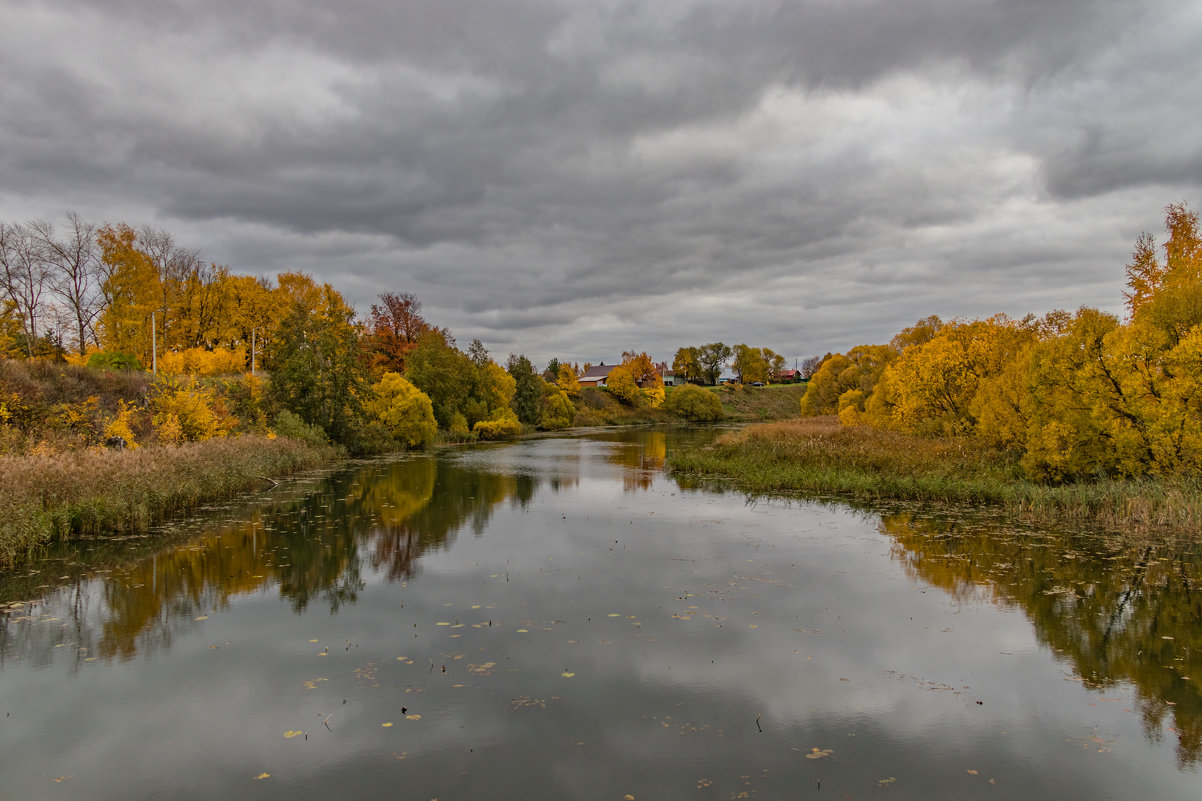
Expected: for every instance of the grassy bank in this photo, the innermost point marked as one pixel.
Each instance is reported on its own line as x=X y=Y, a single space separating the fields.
x=90 y=492
x=758 y=404
x=817 y=456
x=596 y=407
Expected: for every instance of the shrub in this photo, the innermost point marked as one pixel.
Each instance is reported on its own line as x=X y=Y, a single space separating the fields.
x=196 y=409
x=114 y=360
x=694 y=404
x=288 y=424
x=369 y=438
x=404 y=410
x=557 y=411
x=503 y=426
x=119 y=426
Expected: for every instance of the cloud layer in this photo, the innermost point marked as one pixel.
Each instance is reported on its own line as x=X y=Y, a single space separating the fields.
x=576 y=179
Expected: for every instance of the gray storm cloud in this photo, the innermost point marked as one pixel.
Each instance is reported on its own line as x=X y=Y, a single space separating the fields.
x=576 y=179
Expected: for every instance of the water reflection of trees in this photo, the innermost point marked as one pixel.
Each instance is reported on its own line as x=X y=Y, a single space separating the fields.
x=312 y=546
x=466 y=497
x=643 y=458
x=1118 y=611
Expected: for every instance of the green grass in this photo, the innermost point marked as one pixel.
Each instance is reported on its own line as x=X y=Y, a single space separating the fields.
x=72 y=494
x=760 y=404
x=818 y=457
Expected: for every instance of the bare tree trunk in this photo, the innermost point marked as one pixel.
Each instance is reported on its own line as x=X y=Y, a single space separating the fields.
x=75 y=260
x=24 y=274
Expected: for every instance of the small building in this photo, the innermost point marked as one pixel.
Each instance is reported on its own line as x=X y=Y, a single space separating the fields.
x=671 y=379
x=596 y=376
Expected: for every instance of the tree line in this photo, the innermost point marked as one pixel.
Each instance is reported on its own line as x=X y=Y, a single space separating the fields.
x=115 y=296
x=1074 y=395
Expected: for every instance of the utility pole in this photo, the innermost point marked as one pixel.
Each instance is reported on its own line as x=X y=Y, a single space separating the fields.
x=154 y=351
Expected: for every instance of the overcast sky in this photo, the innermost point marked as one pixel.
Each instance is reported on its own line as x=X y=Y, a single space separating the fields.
x=575 y=179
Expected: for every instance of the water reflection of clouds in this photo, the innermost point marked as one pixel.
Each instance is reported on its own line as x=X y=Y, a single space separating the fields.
x=1119 y=612
x=817 y=618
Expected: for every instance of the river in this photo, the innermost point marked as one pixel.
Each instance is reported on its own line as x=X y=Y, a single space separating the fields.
x=560 y=619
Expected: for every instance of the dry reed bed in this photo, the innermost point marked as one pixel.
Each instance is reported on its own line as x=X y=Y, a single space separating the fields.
x=818 y=456
x=85 y=493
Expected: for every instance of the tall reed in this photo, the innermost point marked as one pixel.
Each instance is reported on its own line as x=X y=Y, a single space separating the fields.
x=817 y=456
x=96 y=492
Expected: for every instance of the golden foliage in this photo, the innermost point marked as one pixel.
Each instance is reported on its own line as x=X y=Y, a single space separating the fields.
x=504 y=425
x=567 y=381
x=203 y=361
x=1074 y=396
x=557 y=410
x=187 y=411
x=404 y=410
x=119 y=425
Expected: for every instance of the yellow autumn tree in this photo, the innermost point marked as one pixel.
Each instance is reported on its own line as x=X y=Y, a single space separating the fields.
x=557 y=410
x=935 y=384
x=859 y=369
x=404 y=410
x=132 y=292
x=621 y=385
x=566 y=379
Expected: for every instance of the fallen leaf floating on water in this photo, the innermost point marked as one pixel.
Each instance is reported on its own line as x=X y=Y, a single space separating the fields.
x=263 y=776
x=568 y=675
x=290 y=734
x=386 y=725
x=819 y=753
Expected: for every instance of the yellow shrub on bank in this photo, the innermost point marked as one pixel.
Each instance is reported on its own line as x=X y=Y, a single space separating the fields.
x=119 y=426
x=404 y=410
x=186 y=411
x=203 y=362
x=503 y=426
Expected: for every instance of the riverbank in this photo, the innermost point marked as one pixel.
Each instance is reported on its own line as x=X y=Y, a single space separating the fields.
x=76 y=494
x=818 y=456
x=740 y=404
x=751 y=404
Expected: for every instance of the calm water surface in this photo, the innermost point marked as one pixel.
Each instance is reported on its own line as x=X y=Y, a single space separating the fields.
x=559 y=619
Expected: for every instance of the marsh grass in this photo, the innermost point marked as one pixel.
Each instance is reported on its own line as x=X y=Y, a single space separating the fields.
x=72 y=494
x=817 y=456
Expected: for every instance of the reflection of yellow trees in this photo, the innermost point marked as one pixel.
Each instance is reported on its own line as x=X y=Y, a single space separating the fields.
x=299 y=545
x=644 y=459
x=402 y=490
x=1119 y=612
x=308 y=546
x=178 y=583
x=465 y=496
